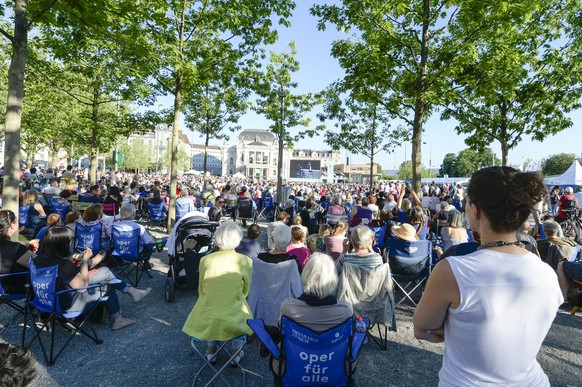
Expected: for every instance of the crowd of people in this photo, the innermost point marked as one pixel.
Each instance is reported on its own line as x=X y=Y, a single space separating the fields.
x=481 y=236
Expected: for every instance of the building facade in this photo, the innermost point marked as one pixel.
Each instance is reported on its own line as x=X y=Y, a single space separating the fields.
x=255 y=155
x=213 y=162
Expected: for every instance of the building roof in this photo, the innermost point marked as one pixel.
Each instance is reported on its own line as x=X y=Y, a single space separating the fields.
x=256 y=135
x=201 y=147
x=184 y=139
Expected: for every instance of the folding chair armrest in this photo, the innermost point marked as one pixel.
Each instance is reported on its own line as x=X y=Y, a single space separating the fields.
x=358 y=340
x=14 y=274
x=81 y=288
x=113 y=281
x=258 y=326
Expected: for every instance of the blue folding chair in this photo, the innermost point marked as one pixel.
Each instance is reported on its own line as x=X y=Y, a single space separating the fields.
x=267 y=212
x=59 y=208
x=156 y=214
x=23 y=216
x=88 y=236
x=126 y=246
x=309 y=358
x=46 y=300
x=182 y=209
x=13 y=300
x=410 y=264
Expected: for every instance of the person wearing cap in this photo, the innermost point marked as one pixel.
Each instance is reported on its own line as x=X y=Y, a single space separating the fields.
x=361 y=254
x=567 y=202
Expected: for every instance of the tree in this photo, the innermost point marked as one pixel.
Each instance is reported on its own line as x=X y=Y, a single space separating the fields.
x=137 y=155
x=278 y=104
x=178 y=41
x=219 y=100
x=558 y=163
x=449 y=165
x=364 y=124
x=411 y=47
x=467 y=161
x=184 y=161
x=521 y=81
x=405 y=170
x=84 y=12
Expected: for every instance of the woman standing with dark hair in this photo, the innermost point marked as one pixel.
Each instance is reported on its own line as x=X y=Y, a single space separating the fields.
x=13 y=255
x=55 y=249
x=493 y=307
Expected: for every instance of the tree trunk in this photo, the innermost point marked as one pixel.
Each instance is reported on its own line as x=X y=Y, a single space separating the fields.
x=174 y=151
x=54 y=156
x=14 y=110
x=373 y=146
x=420 y=106
x=206 y=152
x=503 y=136
x=94 y=147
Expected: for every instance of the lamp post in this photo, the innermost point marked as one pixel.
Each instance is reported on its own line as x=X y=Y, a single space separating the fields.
x=281 y=142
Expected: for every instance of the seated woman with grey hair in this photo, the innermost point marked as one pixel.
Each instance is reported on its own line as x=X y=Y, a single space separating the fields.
x=361 y=253
x=280 y=239
x=318 y=308
x=222 y=310
x=454 y=233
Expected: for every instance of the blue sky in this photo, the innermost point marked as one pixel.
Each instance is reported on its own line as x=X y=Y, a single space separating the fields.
x=319 y=69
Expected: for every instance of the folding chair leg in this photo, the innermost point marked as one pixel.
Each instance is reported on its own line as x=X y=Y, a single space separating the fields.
x=382 y=342
x=218 y=372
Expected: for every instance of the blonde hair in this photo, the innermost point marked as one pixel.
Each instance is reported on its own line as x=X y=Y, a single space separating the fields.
x=297 y=219
x=339 y=229
x=30 y=197
x=297 y=234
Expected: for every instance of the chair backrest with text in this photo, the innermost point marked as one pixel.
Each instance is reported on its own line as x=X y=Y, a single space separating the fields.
x=312 y=358
x=125 y=243
x=44 y=286
x=88 y=236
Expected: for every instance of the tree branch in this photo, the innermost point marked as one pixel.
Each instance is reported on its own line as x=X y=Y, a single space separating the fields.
x=7 y=35
x=32 y=19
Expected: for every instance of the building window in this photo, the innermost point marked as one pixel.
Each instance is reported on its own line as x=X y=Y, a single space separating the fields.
x=231 y=161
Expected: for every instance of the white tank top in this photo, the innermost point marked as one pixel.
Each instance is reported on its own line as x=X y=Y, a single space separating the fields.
x=508 y=303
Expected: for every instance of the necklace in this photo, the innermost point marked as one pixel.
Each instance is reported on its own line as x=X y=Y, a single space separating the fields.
x=501 y=243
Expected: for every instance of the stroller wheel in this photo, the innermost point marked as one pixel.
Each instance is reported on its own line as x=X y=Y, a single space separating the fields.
x=170 y=288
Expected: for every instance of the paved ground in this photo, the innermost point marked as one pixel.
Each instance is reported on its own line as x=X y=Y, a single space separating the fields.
x=155 y=352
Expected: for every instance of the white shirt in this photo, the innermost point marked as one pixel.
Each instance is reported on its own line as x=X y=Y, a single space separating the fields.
x=508 y=304
x=578 y=196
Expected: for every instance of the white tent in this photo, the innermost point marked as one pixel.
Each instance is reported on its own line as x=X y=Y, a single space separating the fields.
x=192 y=172
x=238 y=175
x=573 y=176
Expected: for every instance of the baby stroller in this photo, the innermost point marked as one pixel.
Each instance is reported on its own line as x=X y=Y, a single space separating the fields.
x=193 y=241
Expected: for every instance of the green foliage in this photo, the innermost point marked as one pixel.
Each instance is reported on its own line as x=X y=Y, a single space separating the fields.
x=523 y=77
x=405 y=171
x=184 y=162
x=466 y=162
x=138 y=155
x=558 y=163
x=277 y=79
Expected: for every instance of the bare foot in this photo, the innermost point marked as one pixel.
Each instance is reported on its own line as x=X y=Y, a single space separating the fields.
x=138 y=294
x=122 y=322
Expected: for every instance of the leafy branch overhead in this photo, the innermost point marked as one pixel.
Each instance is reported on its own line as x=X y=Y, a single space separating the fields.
x=277 y=78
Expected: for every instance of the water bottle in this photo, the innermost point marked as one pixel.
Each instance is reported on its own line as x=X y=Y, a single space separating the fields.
x=360 y=324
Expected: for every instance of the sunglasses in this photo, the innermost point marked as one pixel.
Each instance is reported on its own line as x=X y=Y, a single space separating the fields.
x=221 y=202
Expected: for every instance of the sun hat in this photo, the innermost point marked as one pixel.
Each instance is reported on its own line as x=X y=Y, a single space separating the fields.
x=405 y=232
x=569 y=190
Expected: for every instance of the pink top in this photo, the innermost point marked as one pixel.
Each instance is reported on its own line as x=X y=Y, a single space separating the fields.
x=334 y=246
x=302 y=254
x=336 y=210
